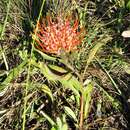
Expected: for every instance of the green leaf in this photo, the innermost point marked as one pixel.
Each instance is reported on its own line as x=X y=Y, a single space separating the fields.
x=90 y=37
x=67 y=77
x=64 y=127
x=67 y=84
x=76 y=84
x=6 y=20
x=13 y=74
x=23 y=54
x=48 y=118
x=48 y=73
x=59 y=123
x=1 y=28
x=45 y=70
x=126 y=67
x=70 y=83
x=53 y=128
x=87 y=97
x=57 y=68
x=67 y=80
x=70 y=113
x=128 y=5
x=45 y=56
x=94 y=50
x=47 y=90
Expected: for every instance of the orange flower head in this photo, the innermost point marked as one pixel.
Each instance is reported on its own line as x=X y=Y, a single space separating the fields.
x=56 y=36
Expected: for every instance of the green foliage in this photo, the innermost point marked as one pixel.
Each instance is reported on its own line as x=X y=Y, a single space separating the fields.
x=46 y=90
x=87 y=98
x=60 y=124
x=70 y=113
x=12 y=75
x=128 y=5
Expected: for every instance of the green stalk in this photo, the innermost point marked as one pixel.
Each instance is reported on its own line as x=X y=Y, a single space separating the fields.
x=2 y=34
x=29 y=68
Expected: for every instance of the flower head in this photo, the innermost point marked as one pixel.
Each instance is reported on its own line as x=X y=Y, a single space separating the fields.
x=59 y=35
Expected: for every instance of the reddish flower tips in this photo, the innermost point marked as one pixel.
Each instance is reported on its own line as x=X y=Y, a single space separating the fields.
x=55 y=37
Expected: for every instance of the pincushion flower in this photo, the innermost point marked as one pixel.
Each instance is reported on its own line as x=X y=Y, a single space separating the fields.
x=57 y=36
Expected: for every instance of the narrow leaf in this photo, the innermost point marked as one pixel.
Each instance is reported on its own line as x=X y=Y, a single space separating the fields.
x=47 y=90
x=64 y=127
x=59 y=123
x=48 y=118
x=94 y=50
x=13 y=74
x=45 y=56
x=57 y=68
x=87 y=97
x=70 y=113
